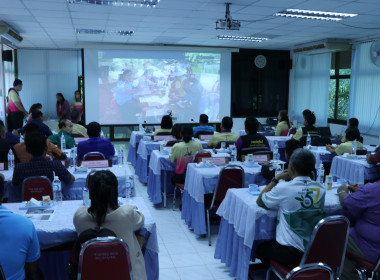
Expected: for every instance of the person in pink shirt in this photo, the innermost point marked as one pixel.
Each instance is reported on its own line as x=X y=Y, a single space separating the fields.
x=63 y=107
x=15 y=110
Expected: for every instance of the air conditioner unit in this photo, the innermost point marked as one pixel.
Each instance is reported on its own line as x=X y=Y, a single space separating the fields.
x=9 y=33
x=323 y=47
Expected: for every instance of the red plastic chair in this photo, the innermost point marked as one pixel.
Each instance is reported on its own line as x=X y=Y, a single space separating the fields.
x=313 y=271
x=36 y=187
x=327 y=244
x=201 y=154
x=284 y=132
x=231 y=176
x=181 y=167
x=292 y=131
x=365 y=267
x=104 y=258
x=94 y=156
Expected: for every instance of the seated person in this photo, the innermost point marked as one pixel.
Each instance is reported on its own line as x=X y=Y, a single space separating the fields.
x=374 y=159
x=290 y=146
x=225 y=135
x=166 y=125
x=19 y=246
x=65 y=128
x=352 y=123
x=22 y=155
x=106 y=212
x=13 y=137
x=309 y=128
x=37 y=118
x=203 y=125
x=351 y=135
x=363 y=205
x=300 y=207
x=176 y=133
x=187 y=147
x=77 y=128
x=252 y=139
x=38 y=166
x=95 y=143
x=5 y=145
x=283 y=122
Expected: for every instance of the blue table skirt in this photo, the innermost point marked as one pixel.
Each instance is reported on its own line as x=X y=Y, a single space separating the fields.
x=131 y=157
x=156 y=185
x=142 y=169
x=194 y=215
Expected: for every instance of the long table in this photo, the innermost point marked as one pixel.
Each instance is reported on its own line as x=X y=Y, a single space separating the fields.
x=61 y=230
x=201 y=181
x=72 y=191
x=244 y=225
x=134 y=141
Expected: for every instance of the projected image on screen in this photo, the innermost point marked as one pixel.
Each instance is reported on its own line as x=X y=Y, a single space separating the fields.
x=135 y=87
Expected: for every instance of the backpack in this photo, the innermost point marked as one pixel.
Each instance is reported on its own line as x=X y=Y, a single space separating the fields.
x=82 y=238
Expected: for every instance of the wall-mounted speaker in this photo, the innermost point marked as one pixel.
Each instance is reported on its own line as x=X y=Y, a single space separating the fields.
x=7 y=55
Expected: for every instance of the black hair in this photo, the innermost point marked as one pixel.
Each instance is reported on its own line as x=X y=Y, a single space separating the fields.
x=2 y=123
x=35 y=107
x=203 y=118
x=227 y=123
x=62 y=123
x=251 y=125
x=17 y=82
x=166 y=122
x=310 y=118
x=1 y=189
x=103 y=190
x=63 y=99
x=35 y=143
x=187 y=133
x=352 y=133
x=292 y=145
x=75 y=115
x=176 y=131
x=284 y=117
x=303 y=161
x=306 y=112
x=36 y=114
x=31 y=127
x=93 y=129
x=353 y=122
x=75 y=95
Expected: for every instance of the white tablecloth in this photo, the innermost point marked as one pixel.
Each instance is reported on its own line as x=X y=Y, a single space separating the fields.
x=280 y=141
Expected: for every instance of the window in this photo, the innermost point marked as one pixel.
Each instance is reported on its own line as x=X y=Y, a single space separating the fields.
x=339 y=91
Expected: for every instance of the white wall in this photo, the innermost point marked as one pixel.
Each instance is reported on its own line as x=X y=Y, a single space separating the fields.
x=44 y=73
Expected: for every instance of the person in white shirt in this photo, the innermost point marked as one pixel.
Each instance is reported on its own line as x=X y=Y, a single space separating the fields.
x=300 y=205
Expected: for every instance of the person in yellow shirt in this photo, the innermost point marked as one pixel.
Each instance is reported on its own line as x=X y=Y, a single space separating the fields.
x=166 y=125
x=226 y=134
x=283 y=122
x=77 y=128
x=352 y=134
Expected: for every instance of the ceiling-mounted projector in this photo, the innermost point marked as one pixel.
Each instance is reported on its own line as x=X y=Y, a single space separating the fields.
x=228 y=23
x=9 y=33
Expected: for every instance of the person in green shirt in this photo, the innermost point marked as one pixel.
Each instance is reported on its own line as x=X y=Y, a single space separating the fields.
x=65 y=128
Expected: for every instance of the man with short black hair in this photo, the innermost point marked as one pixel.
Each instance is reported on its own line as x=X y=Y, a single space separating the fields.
x=65 y=128
x=37 y=118
x=95 y=143
x=226 y=135
x=77 y=128
x=203 y=125
x=19 y=246
x=300 y=205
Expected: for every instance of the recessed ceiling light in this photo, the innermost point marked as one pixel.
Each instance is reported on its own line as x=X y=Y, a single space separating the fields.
x=241 y=38
x=118 y=3
x=318 y=15
x=101 y=31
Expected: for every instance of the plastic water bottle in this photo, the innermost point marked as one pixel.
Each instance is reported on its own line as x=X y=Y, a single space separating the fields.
x=276 y=155
x=354 y=147
x=21 y=138
x=63 y=142
x=120 y=157
x=57 y=190
x=101 y=134
x=73 y=158
x=321 y=173
x=308 y=140
x=11 y=160
x=86 y=197
x=233 y=153
x=141 y=128
x=130 y=184
x=278 y=170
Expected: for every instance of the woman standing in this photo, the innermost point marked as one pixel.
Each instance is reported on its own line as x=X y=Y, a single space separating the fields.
x=63 y=107
x=77 y=103
x=15 y=110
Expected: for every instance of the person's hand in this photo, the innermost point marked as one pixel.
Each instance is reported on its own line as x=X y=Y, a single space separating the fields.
x=368 y=157
x=342 y=188
x=16 y=132
x=283 y=175
x=353 y=187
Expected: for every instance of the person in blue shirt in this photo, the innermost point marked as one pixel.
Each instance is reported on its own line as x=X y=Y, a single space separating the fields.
x=19 y=246
x=37 y=118
x=203 y=125
x=95 y=143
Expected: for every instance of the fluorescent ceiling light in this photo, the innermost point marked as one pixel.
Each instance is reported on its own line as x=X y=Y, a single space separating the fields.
x=118 y=3
x=319 y=15
x=241 y=38
x=101 y=31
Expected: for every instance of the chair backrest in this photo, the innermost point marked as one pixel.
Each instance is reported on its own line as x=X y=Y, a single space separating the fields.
x=328 y=243
x=292 y=131
x=361 y=151
x=201 y=154
x=105 y=258
x=164 y=133
x=228 y=143
x=2 y=276
x=182 y=163
x=172 y=143
x=199 y=133
x=36 y=187
x=94 y=156
x=161 y=137
x=320 y=141
x=324 y=131
x=313 y=271
x=231 y=176
x=304 y=138
x=254 y=151
x=284 y=132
